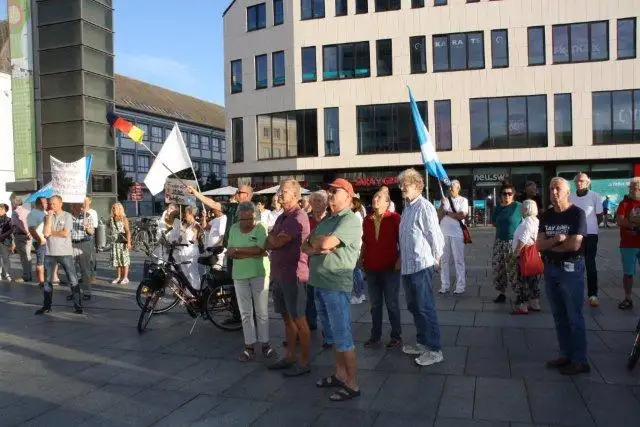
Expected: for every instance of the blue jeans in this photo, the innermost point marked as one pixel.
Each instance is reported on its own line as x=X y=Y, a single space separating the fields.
x=68 y=265
x=384 y=285
x=565 y=290
x=358 y=282
x=334 y=311
x=421 y=303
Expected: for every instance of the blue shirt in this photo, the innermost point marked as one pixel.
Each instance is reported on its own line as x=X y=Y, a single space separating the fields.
x=421 y=240
x=506 y=219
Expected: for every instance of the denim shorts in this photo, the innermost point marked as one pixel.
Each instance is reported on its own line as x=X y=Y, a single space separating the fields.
x=290 y=298
x=41 y=251
x=630 y=256
x=334 y=311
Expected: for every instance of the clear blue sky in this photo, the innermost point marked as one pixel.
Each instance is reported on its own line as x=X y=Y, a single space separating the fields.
x=177 y=45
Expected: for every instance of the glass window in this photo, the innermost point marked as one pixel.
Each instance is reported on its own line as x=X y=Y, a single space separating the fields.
x=236 y=76
x=261 y=72
x=346 y=61
x=277 y=64
x=223 y=146
x=601 y=112
x=143 y=164
x=599 y=40
x=462 y=51
x=362 y=6
x=417 y=3
x=205 y=142
x=439 y=2
x=215 y=144
x=499 y=48
x=309 y=64
x=385 y=5
x=341 y=7
x=562 y=119
x=622 y=115
x=580 y=42
x=513 y=122
x=127 y=162
x=560 y=41
x=205 y=170
x=287 y=134
x=443 y=125
x=418 y=54
x=144 y=128
x=194 y=145
x=626 y=38
x=384 y=57
x=535 y=38
x=332 y=131
x=312 y=9
x=156 y=134
x=216 y=169
x=256 y=17
x=388 y=128
x=237 y=135
x=278 y=12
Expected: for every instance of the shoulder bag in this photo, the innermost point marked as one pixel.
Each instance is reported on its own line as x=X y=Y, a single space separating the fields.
x=465 y=230
x=530 y=262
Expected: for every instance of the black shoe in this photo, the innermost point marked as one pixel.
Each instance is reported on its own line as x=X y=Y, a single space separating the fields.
x=70 y=297
x=86 y=297
x=42 y=311
x=558 y=363
x=575 y=368
x=500 y=299
x=77 y=311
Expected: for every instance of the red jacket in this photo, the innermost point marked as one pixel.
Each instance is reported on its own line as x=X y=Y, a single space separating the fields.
x=380 y=254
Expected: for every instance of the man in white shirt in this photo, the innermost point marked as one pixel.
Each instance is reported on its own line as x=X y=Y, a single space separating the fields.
x=591 y=203
x=266 y=216
x=453 y=238
x=35 y=222
x=215 y=235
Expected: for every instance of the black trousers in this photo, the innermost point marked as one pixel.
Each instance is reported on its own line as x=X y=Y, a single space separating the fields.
x=590 y=251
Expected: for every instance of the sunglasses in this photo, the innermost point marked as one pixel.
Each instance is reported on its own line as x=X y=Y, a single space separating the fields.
x=507 y=193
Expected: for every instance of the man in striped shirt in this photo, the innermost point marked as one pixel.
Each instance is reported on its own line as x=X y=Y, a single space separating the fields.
x=421 y=247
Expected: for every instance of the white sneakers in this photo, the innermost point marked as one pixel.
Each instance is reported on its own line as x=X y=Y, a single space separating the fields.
x=426 y=357
x=358 y=300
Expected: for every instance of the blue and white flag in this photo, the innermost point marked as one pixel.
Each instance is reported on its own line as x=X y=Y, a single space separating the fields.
x=429 y=157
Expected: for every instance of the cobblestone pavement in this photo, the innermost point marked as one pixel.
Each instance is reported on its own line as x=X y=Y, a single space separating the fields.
x=96 y=370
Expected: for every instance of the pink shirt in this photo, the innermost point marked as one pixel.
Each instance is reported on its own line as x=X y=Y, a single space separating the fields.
x=19 y=220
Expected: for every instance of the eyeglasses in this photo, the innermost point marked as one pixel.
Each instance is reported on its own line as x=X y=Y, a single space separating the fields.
x=241 y=192
x=507 y=193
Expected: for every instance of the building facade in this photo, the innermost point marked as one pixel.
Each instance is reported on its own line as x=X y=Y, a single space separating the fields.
x=513 y=89
x=155 y=110
x=6 y=130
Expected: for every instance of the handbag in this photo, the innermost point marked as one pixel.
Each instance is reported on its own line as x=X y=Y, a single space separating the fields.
x=120 y=237
x=530 y=262
x=466 y=235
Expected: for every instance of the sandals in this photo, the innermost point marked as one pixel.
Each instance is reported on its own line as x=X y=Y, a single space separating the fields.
x=625 y=304
x=268 y=352
x=345 y=393
x=329 y=382
x=247 y=355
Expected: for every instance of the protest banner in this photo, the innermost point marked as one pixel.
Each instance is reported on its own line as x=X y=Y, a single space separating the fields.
x=176 y=192
x=69 y=180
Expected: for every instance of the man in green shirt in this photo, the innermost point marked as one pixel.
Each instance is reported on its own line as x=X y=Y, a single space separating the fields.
x=333 y=248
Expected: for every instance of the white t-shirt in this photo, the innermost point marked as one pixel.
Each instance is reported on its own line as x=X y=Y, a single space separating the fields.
x=35 y=219
x=92 y=216
x=591 y=204
x=267 y=219
x=449 y=226
x=216 y=232
x=527 y=232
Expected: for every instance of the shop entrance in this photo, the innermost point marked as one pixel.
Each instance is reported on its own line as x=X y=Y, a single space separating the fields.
x=484 y=200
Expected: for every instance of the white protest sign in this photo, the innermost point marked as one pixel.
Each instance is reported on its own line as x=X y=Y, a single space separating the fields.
x=176 y=192
x=69 y=180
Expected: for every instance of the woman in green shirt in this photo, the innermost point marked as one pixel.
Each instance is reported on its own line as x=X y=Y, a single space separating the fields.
x=505 y=218
x=250 y=275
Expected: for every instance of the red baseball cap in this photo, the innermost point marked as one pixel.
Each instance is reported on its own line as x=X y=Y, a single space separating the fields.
x=344 y=184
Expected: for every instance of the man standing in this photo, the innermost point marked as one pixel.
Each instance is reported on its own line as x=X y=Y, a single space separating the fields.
x=421 y=247
x=454 y=210
x=81 y=235
x=35 y=221
x=333 y=250
x=290 y=276
x=590 y=203
x=606 y=205
x=91 y=221
x=380 y=261
x=560 y=236
x=6 y=241
x=531 y=193
x=57 y=230
x=21 y=237
x=628 y=215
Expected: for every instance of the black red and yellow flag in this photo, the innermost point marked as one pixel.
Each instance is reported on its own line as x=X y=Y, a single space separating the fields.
x=124 y=126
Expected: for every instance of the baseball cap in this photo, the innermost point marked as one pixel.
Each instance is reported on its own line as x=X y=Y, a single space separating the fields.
x=344 y=184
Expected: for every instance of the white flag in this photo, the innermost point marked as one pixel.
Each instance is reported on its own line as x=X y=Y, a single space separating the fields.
x=69 y=180
x=172 y=158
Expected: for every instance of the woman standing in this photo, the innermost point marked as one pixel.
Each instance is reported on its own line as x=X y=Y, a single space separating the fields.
x=505 y=218
x=358 y=296
x=250 y=273
x=121 y=238
x=5 y=241
x=526 y=288
x=187 y=233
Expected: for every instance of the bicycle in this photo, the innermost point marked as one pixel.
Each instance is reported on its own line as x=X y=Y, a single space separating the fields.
x=635 y=349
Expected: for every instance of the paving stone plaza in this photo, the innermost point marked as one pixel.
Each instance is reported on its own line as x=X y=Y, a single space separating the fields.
x=96 y=370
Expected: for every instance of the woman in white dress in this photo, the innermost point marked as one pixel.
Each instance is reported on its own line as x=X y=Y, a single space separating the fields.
x=526 y=288
x=187 y=233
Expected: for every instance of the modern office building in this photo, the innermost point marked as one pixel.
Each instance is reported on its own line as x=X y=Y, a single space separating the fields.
x=155 y=110
x=515 y=89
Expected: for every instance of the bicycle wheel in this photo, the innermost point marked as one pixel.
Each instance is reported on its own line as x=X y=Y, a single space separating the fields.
x=167 y=299
x=147 y=312
x=222 y=308
x=635 y=352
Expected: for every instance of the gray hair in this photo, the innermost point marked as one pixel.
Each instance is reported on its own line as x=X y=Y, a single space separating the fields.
x=561 y=180
x=635 y=180
x=411 y=176
x=455 y=183
x=16 y=199
x=529 y=208
x=295 y=185
x=247 y=207
x=322 y=194
x=579 y=174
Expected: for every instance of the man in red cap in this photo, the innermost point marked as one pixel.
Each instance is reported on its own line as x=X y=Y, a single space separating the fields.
x=333 y=248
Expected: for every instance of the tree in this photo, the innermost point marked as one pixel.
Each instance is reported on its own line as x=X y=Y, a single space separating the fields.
x=124 y=182
x=212 y=182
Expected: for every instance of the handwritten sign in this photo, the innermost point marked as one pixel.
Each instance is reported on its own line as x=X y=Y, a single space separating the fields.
x=175 y=192
x=69 y=180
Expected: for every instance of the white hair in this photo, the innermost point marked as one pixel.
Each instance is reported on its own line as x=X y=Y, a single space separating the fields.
x=577 y=177
x=561 y=180
x=322 y=194
x=411 y=176
x=529 y=208
x=455 y=183
x=635 y=180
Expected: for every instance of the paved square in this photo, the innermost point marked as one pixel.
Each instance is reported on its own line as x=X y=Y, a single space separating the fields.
x=96 y=370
